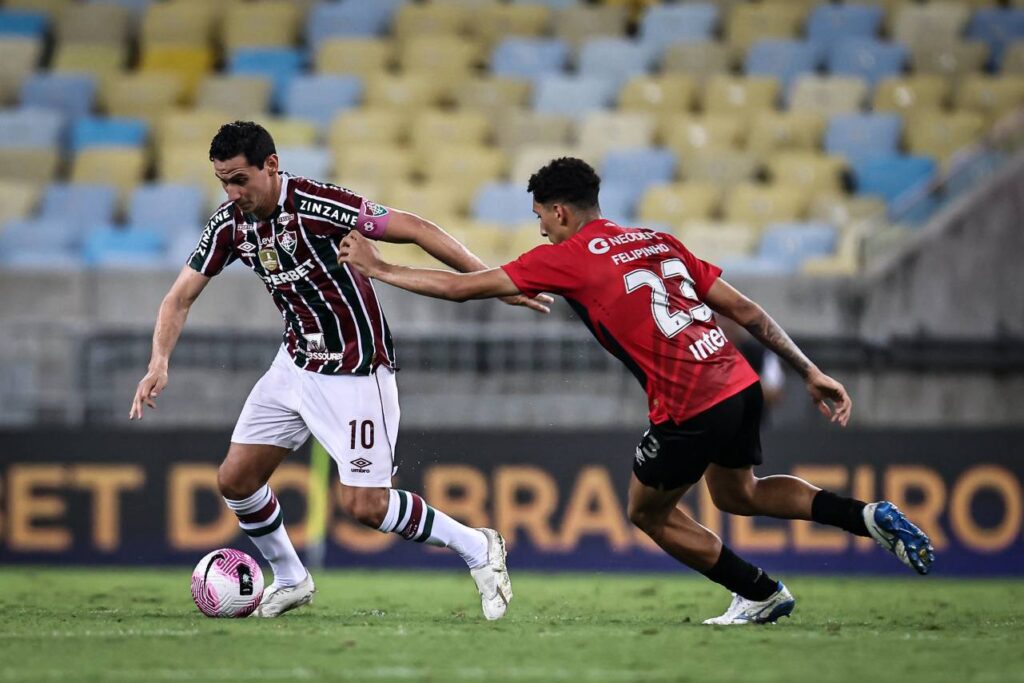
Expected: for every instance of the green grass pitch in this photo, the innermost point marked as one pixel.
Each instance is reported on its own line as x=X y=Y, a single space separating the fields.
x=80 y=625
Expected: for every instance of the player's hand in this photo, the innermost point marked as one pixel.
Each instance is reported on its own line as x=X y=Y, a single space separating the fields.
x=149 y=388
x=540 y=303
x=830 y=396
x=359 y=252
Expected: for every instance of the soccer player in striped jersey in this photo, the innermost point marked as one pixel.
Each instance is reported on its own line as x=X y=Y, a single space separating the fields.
x=334 y=375
x=652 y=304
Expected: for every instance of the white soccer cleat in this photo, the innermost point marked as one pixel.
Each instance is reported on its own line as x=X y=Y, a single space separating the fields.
x=897 y=534
x=492 y=579
x=280 y=599
x=743 y=611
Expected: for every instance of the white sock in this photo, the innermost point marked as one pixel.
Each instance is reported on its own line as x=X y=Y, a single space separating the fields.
x=261 y=518
x=410 y=517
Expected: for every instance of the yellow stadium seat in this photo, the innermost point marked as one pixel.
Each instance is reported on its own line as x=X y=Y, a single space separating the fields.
x=939 y=22
x=662 y=94
x=102 y=61
x=430 y=19
x=578 y=23
x=701 y=60
x=191 y=62
x=464 y=167
x=717 y=241
x=93 y=23
x=487 y=241
x=406 y=255
x=187 y=164
x=122 y=167
x=759 y=204
x=521 y=240
x=438 y=54
x=375 y=165
x=912 y=93
x=789 y=130
x=178 y=23
x=33 y=165
x=991 y=96
x=271 y=23
x=20 y=57
x=889 y=10
x=237 y=96
x=518 y=127
x=52 y=8
x=688 y=133
x=362 y=56
x=368 y=125
x=603 y=131
x=1013 y=59
x=492 y=94
x=406 y=91
x=749 y=22
x=494 y=22
x=813 y=171
x=289 y=132
x=740 y=95
x=187 y=128
x=841 y=209
x=432 y=128
x=145 y=95
x=671 y=204
x=941 y=135
x=828 y=95
x=950 y=60
x=432 y=201
x=722 y=167
x=530 y=158
x=18 y=199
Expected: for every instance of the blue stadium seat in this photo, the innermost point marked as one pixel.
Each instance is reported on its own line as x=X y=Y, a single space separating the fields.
x=872 y=60
x=167 y=207
x=108 y=132
x=311 y=162
x=783 y=59
x=553 y=4
x=349 y=18
x=829 y=24
x=891 y=177
x=619 y=200
x=863 y=136
x=180 y=247
x=71 y=94
x=753 y=266
x=663 y=25
x=618 y=58
x=39 y=236
x=507 y=204
x=529 y=57
x=20 y=23
x=31 y=127
x=640 y=166
x=573 y=95
x=91 y=203
x=110 y=247
x=137 y=7
x=790 y=244
x=279 y=64
x=997 y=27
x=319 y=97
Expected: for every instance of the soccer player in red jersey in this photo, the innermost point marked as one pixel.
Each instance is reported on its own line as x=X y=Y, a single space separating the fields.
x=652 y=304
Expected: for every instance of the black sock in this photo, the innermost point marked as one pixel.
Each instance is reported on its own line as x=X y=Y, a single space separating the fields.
x=741 y=577
x=845 y=513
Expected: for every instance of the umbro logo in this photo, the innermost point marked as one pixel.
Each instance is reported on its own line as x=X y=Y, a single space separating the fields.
x=360 y=465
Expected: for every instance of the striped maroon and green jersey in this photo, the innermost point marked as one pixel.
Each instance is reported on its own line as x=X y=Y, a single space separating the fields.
x=334 y=323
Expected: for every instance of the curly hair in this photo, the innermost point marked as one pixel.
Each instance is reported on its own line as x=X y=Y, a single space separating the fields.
x=242 y=137
x=569 y=180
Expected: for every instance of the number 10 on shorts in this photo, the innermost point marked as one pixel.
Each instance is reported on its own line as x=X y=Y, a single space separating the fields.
x=364 y=431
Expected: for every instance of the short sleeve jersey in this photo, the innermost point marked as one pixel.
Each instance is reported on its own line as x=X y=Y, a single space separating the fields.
x=640 y=292
x=334 y=323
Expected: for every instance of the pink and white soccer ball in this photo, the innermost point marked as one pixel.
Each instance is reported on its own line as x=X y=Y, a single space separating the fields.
x=227 y=583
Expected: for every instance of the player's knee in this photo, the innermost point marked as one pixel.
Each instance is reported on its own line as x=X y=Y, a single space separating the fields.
x=366 y=506
x=235 y=485
x=645 y=519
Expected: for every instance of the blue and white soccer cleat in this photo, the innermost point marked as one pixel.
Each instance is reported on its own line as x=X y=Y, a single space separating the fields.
x=742 y=611
x=897 y=534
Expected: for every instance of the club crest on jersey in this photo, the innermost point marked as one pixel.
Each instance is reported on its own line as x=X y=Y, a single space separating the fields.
x=287 y=241
x=374 y=210
x=268 y=258
x=315 y=342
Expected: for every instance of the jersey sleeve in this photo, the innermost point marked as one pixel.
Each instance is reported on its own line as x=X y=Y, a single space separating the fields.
x=336 y=210
x=703 y=273
x=547 y=268
x=216 y=248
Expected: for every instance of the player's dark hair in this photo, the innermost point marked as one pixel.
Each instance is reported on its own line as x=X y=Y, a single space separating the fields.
x=567 y=180
x=242 y=137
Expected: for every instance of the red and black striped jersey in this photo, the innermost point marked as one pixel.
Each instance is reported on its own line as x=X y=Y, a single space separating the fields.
x=334 y=323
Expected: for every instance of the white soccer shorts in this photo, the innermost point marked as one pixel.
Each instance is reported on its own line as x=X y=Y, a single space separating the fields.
x=355 y=418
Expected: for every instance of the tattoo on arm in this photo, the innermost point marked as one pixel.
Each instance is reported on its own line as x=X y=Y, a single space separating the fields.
x=769 y=333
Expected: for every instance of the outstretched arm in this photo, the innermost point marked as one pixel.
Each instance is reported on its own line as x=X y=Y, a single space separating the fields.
x=169 y=323
x=728 y=301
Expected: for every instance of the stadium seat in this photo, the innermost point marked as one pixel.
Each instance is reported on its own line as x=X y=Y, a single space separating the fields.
x=140 y=95
x=36 y=165
x=935 y=23
x=790 y=130
x=699 y=60
x=178 y=23
x=311 y=162
x=816 y=173
x=96 y=203
x=109 y=247
x=108 y=132
x=317 y=98
x=100 y=61
x=891 y=177
x=50 y=8
x=371 y=164
x=997 y=27
x=30 y=128
x=190 y=62
x=166 y=207
x=95 y=23
x=863 y=136
x=259 y=23
x=506 y=204
x=910 y=94
x=990 y=96
x=662 y=94
x=748 y=23
x=404 y=91
x=413 y=19
x=663 y=25
x=574 y=96
x=577 y=23
x=793 y=243
x=122 y=167
x=289 y=132
x=870 y=59
x=718 y=241
x=432 y=128
x=686 y=133
x=619 y=201
x=940 y=135
x=782 y=59
x=18 y=199
x=327 y=20
x=844 y=209
x=759 y=204
x=724 y=168
x=238 y=96
x=828 y=96
x=280 y=65
x=602 y=131
x=617 y=58
x=31 y=24
x=368 y=125
x=529 y=58
x=361 y=56
x=951 y=60
x=20 y=56
x=38 y=241
x=187 y=128
x=517 y=127
x=495 y=21
x=71 y=94
x=671 y=204
x=493 y=94
x=447 y=61
x=436 y=202
x=641 y=166
x=529 y=158
x=828 y=24
x=190 y=165
x=1013 y=59
x=739 y=95
x=464 y=167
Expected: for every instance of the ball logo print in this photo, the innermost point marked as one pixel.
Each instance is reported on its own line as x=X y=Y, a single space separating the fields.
x=227 y=583
x=598 y=245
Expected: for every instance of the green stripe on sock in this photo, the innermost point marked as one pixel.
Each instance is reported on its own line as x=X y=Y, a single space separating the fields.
x=270 y=528
x=401 y=508
x=428 y=525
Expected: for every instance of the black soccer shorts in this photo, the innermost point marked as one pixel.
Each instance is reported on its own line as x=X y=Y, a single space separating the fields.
x=671 y=455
